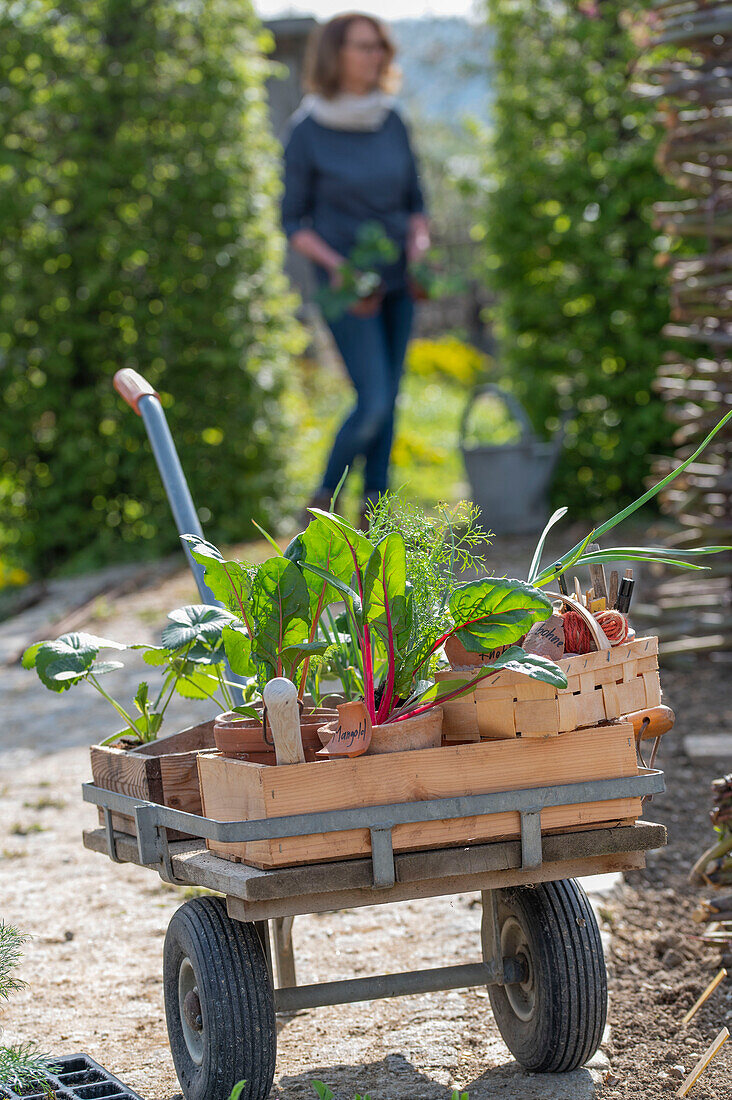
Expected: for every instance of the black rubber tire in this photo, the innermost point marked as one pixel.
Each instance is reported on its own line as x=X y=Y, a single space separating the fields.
x=567 y=1003
x=239 y=1034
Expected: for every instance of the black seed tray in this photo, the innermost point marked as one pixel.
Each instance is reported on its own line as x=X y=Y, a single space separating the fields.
x=76 y=1077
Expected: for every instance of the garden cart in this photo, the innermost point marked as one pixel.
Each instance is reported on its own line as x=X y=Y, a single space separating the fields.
x=229 y=964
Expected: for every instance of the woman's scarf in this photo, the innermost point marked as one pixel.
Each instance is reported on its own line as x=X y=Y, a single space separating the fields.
x=346 y=111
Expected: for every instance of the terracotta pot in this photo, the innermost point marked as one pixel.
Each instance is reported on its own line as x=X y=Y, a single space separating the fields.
x=424 y=731
x=417 y=292
x=238 y=736
x=460 y=657
x=368 y=306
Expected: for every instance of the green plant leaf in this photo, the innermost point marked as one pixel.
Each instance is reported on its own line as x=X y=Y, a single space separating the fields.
x=531 y=665
x=359 y=546
x=237 y=1090
x=281 y=605
x=547 y=574
x=154 y=655
x=389 y=610
x=28 y=660
x=536 y=560
x=341 y=587
x=238 y=648
x=141 y=697
x=323 y=546
x=196 y=623
x=322 y=1091
x=494 y=612
x=272 y=542
x=74 y=653
x=100 y=668
x=248 y=712
x=294 y=655
x=229 y=581
x=196 y=685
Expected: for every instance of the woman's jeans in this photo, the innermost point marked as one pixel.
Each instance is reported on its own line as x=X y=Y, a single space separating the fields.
x=373 y=350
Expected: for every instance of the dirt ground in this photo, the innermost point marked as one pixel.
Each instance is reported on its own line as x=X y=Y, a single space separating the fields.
x=659 y=964
x=94 y=962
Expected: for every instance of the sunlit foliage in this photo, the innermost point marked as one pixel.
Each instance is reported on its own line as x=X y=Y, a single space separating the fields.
x=570 y=248
x=138 y=228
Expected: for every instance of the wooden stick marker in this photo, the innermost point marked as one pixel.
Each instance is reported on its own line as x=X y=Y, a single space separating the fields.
x=280 y=699
x=707 y=993
x=612 y=594
x=597 y=574
x=711 y=1052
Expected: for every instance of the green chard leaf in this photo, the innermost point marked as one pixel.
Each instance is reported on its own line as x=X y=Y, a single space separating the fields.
x=494 y=612
x=229 y=581
x=324 y=547
x=281 y=604
x=386 y=605
x=238 y=648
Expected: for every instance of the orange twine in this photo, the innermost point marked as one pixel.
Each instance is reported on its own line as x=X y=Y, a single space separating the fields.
x=577 y=637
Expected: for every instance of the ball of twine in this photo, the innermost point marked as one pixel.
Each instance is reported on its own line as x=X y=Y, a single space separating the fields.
x=577 y=636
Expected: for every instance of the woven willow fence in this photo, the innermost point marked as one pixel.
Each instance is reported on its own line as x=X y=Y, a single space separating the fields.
x=689 y=72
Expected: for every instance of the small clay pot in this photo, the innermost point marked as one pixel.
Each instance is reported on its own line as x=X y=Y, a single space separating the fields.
x=424 y=731
x=416 y=291
x=460 y=657
x=244 y=737
x=368 y=306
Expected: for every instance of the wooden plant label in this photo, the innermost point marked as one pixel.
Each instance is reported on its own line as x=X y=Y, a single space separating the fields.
x=353 y=733
x=546 y=639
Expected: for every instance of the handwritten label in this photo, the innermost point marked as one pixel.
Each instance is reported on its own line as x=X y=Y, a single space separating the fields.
x=546 y=639
x=352 y=736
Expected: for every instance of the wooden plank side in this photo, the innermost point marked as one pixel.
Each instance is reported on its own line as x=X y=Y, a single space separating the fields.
x=352 y=843
x=126 y=773
x=181 y=788
x=230 y=789
x=195 y=866
x=428 y=888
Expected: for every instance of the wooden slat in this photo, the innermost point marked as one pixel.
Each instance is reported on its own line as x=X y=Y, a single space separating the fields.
x=195 y=866
x=238 y=790
x=126 y=773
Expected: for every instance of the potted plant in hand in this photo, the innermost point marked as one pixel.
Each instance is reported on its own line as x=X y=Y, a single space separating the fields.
x=357 y=285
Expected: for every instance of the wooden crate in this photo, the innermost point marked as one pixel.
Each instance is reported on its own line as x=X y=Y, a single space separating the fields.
x=235 y=790
x=600 y=686
x=163 y=771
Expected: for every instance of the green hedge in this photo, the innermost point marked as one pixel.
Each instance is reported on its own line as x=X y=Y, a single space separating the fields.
x=138 y=228
x=570 y=246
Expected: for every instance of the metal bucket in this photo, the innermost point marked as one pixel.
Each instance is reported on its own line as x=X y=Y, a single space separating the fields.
x=510 y=482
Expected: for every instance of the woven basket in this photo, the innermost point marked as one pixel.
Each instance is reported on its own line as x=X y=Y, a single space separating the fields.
x=601 y=686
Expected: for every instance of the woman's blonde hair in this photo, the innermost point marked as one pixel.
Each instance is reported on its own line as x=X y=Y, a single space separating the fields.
x=322 y=70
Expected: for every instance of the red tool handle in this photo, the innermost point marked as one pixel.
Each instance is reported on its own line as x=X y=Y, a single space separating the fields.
x=131 y=386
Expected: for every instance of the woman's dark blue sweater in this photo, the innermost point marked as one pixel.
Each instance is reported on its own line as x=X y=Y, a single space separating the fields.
x=335 y=180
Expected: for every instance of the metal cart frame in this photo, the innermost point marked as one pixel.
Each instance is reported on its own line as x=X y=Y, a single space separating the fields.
x=257 y=896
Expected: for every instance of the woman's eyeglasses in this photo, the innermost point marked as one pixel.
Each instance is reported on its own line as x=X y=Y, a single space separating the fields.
x=366 y=47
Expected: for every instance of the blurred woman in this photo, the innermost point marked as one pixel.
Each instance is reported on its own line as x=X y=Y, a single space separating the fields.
x=348 y=161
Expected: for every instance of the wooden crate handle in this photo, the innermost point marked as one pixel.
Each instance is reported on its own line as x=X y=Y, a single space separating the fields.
x=599 y=636
x=650 y=723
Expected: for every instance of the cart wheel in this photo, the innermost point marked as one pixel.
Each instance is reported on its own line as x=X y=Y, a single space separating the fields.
x=552 y=1021
x=219 y=1003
